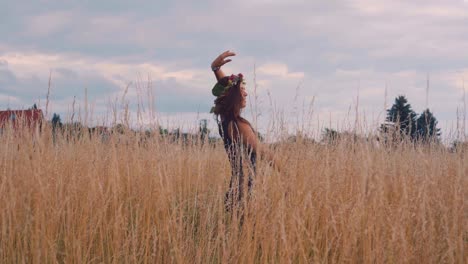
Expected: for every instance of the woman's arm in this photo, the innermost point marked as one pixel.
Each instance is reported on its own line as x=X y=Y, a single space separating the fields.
x=220 y=61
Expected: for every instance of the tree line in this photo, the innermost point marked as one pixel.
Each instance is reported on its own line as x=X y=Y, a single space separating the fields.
x=402 y=122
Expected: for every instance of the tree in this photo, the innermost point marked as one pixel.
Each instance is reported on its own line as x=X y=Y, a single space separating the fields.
x=427 y=127
x=56 y=121
x=56 y=124
x=203 y=129
x=163 y=131
x=330 y=135
x=119 y=128
x=401 y=119
x=459 y=146
x=260 y=137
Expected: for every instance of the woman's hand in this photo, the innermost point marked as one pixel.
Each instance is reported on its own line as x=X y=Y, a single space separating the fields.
x=220 y=61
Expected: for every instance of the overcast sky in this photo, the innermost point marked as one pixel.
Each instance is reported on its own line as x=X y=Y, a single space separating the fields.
x=338 y=54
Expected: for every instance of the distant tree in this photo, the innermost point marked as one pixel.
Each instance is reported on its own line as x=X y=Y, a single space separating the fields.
x=119 y=128
x=176 y=132
x=459 y=146
x=330 y=135
x=34 y=107
x=203 y=129
x=56 y=121
x=427 y=127
x=73 y=130
x=148 y=133
x=300 y=138
x=56 y=125
x=163 y=131
x=401 y=119
x=260 y=137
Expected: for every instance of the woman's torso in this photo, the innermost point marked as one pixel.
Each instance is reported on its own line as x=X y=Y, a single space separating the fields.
x=234 y=147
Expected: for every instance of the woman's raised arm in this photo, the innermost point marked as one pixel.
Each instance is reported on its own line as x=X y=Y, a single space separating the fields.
x=220 y=61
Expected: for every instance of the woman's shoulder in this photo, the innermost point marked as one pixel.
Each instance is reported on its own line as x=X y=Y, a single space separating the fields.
x=239 y=123
x=244 y=122
x=243 y=126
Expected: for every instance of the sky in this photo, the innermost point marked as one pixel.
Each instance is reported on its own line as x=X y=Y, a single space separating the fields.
x=308 y=64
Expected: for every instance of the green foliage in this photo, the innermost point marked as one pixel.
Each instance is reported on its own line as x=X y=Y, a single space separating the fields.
x=427 y=127
x=56 y=121
x=402 y=115
x=401 y=123
x=163 y=131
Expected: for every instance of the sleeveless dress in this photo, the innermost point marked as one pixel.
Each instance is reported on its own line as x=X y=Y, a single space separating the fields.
x=236 y=151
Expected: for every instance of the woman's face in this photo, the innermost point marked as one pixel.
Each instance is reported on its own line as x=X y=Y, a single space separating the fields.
x=243 y=95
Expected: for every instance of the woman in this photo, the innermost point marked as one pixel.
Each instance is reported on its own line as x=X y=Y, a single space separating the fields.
x=240 y=140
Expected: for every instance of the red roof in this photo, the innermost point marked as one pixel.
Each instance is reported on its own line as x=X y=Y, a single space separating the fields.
x=19 y=117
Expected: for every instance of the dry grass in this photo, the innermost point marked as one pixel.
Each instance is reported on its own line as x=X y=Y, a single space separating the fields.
x=88 y=201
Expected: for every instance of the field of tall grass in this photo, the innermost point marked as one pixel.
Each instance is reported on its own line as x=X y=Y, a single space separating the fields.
x=129 y=200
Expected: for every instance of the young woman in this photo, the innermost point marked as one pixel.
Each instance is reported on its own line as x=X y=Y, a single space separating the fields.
x=240 y=140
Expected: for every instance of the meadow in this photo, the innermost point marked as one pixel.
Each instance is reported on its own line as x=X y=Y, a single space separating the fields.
x=128 y=200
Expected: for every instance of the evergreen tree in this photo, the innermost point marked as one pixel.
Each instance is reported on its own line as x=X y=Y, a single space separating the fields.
x=427 y=126
x=56 y=121
x=403 y=117
x=56 y=126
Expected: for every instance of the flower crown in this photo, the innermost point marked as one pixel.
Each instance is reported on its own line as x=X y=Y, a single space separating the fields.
x=219 y=89
x=233 y=80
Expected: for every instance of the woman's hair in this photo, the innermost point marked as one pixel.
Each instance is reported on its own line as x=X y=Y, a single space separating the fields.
x=229 y=103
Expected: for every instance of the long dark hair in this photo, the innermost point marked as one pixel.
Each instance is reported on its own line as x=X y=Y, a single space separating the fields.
x=229 y=104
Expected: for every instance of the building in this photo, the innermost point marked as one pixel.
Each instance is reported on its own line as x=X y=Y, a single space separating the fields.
x=18 y=119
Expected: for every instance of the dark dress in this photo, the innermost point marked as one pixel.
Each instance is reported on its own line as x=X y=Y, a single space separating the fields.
x=236 y=151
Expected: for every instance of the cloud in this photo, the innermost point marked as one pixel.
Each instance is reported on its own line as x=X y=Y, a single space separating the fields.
x=175 y=90
x=48 y=24
x=279 y=70
x=6 y=76
x=3 y=64
x=333 y=50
